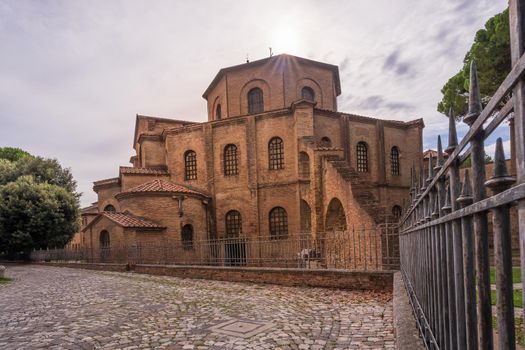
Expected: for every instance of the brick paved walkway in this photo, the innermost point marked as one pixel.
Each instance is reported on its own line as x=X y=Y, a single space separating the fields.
x=49 y=307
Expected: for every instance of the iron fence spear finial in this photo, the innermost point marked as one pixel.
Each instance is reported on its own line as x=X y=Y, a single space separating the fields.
x=500 y=179
x=447 y=208
x=435 y=213
x=440 y=159
x=452 y=134
x=430 y=169
x=465 y=198
x=474 y=97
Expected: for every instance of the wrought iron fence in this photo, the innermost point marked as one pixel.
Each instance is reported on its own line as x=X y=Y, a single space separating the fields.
x=444 y=235
x=374 y=248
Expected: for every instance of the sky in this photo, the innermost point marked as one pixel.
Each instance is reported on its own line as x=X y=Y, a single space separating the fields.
x=73 y=74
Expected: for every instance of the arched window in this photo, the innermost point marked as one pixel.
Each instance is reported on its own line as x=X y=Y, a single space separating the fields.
x=304 y=164
x=307 y=93
x=255 y=101
x=218 y=112
x=278 y=223
x=325 y=142
x=233 y=223
x=275 y=153
x=394 y=160
x=110 y=208
x=104 y=239
x=230 y=160
x=190 y=165
x=187 y=237
x=397 y=211
x=362 y=157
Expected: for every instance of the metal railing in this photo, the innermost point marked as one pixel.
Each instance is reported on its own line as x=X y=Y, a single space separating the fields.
x=374 y=248
x=444 y=235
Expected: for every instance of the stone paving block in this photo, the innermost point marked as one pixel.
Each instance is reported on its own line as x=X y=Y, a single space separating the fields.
x=63 y=308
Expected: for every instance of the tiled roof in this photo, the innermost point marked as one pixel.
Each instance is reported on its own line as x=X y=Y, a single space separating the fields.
x=129 y=221
x=142 y=171
x=113 y=180
x=158 y=185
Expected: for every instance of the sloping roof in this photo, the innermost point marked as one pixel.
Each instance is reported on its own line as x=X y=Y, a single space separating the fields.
x=126 y=220
x=92 y=209
x=165 y=120
x=333 y=68
x=113 y=180
x=393 y=122
x=143 y=171
x=158 y=185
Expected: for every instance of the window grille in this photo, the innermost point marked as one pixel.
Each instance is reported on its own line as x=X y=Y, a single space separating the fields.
x=394 y=160
x=275 y=154
x=255 y=101
x=362 y=157
x=230 y=160
x=278 y=223
x=187 y=237
x=233 y=223
x=104 y=239
x=190 y=165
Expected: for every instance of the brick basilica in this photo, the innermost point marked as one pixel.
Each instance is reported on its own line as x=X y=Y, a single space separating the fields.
x=275 y=159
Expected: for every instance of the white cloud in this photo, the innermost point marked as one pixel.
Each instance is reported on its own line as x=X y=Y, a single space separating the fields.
x=74 y=74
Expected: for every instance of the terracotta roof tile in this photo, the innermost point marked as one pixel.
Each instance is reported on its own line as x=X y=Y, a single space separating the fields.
x=129 y=221
x=142 y=171
x=158 y=185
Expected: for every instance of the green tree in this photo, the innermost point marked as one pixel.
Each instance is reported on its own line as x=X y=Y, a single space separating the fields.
x=491 y=51
x=45 y=170
x=12 y=154
x=42 y=170
x=35 y=215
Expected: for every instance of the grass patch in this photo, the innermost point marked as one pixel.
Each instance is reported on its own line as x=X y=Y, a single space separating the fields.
x=5 y=280
x=516 y=296
x=516 y=275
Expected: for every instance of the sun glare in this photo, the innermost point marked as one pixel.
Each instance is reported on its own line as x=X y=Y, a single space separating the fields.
x=286 y=39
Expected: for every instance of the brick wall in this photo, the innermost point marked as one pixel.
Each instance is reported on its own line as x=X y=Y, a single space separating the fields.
x=356 y=280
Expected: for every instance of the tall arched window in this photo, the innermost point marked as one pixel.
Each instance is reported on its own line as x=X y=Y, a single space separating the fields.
x=218 y=114
x=362 y=157
x=104 y=239
x=397 y=211
x=275 y=153
x=307 y=93
x=255 y=101
x=187 y=237
x=394 y=160
x=109 y=208
x=230 y=160
x=278 y=223
x=233 y=223
x=190 y=165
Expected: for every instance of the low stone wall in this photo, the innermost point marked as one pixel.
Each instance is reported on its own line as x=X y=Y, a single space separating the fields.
x=94 y=266
x=407 y=332
x=356 y=280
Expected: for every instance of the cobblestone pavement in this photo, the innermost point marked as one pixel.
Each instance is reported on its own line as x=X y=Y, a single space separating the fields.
x=51 y=307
